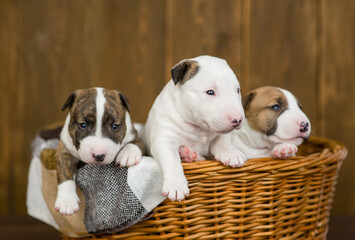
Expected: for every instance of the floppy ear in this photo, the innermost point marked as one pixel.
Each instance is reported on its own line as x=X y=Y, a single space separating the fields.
x=183 y=71
x=247 y=100
x=69 y=102
x=124 y=101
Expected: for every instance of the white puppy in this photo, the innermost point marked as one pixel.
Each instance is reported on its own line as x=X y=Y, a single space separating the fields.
x=200 y=103
x=274 y=126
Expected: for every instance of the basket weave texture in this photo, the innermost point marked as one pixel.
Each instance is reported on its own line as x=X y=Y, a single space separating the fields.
x=266 y=199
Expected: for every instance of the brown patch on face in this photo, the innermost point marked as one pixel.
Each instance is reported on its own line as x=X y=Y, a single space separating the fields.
x=262 y=107
x=82 y=110
x=183 y=71
x=114 y=119
x=116 y=107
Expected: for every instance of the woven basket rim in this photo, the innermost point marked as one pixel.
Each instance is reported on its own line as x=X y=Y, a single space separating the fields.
x=332 y=150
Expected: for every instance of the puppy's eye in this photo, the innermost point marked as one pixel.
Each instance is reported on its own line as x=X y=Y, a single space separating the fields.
x=300 y=106
x=238 y=90
x=115 y=127
x=83 y=126
x=275 y=107
x=210 y=92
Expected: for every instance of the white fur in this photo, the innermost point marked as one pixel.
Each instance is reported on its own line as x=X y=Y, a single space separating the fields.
x=225 y=152
x=130 y=155
x=282 y=144
x=98 y=145
x=100 y=109
x=211 y=113
x=67 y=199
x=185 y=115
x=129 y=130
x=251 y=143
x=67 y=140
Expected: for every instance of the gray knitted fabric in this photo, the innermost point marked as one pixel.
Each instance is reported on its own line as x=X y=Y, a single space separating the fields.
x=110 y=204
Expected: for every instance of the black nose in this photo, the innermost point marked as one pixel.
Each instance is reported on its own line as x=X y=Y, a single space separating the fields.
x=236 y=122
x=304 y=127
x=99 y=157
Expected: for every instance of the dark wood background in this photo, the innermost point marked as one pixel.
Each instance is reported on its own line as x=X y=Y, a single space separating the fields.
x=49 y=48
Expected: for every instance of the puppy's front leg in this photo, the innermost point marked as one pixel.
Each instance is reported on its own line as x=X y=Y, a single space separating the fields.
x=175 y=186
x=132 y=152
x=130 y=155
x=223 y=150
x=67 y=199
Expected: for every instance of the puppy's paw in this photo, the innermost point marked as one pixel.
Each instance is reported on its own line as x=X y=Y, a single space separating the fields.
x=67 y=204
x=187 y=154
x=175 y=189
x=284 y=150
x=232 y=158
x=130 y=155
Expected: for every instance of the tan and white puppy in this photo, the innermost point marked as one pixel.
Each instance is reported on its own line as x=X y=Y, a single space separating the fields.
x=201 y=102
x=274 y=126
x=97 y=130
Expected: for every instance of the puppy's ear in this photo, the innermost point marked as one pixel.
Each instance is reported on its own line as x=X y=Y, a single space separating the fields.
x=69 y=102
x=124 y=101
x=183 y=71
x=247 y=99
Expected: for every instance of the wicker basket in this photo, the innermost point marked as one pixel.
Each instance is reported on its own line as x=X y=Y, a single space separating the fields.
x=266 y=199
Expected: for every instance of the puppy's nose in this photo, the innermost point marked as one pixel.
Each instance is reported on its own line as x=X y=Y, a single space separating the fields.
x=236 y=122
x=304 y=127
x=98 y=157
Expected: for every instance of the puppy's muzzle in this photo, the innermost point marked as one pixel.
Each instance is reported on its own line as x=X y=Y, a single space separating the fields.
x=98 y=157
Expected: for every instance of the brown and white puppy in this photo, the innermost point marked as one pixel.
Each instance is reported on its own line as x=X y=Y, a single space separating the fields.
x=275 y=124
x=97 y=130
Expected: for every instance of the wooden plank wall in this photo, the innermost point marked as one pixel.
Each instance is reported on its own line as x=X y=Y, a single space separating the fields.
x=49 y=48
